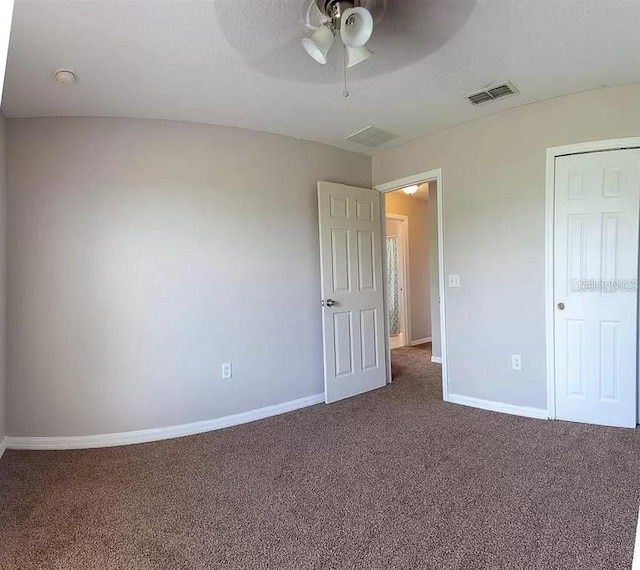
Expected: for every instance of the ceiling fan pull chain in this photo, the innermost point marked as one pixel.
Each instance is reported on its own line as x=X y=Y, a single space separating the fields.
x=345 y=93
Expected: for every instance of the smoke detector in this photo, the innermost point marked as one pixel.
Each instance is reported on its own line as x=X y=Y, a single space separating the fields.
x=65 y=76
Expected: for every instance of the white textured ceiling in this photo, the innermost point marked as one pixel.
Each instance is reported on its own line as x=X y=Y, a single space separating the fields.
x=239 y=62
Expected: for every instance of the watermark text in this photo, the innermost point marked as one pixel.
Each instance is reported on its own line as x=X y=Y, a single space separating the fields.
x=603 y=286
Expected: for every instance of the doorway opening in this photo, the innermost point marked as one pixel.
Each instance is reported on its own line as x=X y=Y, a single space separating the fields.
x=355 y=323
x=413 y=281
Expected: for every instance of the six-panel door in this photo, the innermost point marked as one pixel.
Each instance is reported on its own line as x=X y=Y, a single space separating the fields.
x=351 y=268
x=595 y=286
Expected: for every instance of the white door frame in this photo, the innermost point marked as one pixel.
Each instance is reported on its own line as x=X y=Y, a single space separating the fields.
x=403 y=242
x=429 y=176
x=552 y=154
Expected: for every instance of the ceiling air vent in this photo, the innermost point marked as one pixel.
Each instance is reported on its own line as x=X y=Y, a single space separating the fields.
x=371 y=136
x=493 y=93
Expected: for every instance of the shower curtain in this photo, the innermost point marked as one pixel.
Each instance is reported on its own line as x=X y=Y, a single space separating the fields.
x=392 y=285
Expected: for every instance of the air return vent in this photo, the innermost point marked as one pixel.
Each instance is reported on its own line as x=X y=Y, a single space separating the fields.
x=493 y=93
x=371 y=137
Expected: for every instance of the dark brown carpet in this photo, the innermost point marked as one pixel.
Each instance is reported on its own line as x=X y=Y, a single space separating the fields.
x=391 y=479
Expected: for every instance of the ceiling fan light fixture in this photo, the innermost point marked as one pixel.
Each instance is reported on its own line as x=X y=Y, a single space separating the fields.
x=319 y=44
x=357 y=55
x=356 y=27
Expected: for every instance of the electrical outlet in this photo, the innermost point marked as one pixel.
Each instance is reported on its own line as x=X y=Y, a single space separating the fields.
x=516 y=362
x=454 y=280
x=226 y=370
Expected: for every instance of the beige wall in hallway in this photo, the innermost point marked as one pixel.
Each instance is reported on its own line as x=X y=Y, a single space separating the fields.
x=419 y=298
x=494 y=200
x=144 y=254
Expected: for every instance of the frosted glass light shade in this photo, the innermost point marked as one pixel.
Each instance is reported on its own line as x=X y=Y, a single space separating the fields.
x=318 y=45
x=356 y=27
x=357 y=55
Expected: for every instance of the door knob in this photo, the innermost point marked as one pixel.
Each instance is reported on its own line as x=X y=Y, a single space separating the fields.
x=561 y=306
x=329 y=303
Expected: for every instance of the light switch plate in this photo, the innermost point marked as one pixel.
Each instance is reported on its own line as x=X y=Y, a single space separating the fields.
x=454 y=280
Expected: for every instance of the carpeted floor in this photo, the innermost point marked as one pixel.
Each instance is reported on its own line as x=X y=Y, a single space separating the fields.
x=394 y=479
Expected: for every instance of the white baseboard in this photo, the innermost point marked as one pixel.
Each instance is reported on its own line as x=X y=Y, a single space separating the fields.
x=147 y=435
x=436 y=359
x=499 y=407
x=3 y=447
x=420 y=341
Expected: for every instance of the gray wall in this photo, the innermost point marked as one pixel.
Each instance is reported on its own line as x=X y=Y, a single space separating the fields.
x=436 y=344
x=143 y=254
x=419 y=298
x=3 y=226
x=493 y=198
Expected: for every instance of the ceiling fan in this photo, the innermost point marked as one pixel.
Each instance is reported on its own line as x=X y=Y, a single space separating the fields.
x=268 y=36
x=355 y=25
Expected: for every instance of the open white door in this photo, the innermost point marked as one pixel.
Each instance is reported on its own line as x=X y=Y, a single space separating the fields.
x=595 y=289
x=352 y=290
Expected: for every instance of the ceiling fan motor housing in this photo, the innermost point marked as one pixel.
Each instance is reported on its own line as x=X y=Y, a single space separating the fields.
x=335 y=8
